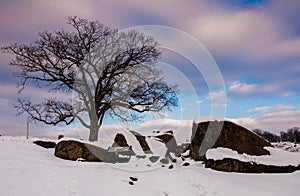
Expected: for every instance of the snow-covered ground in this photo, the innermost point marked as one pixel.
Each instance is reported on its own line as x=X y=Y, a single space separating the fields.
x=288 y=146
x=278 y=157
x=27 y=169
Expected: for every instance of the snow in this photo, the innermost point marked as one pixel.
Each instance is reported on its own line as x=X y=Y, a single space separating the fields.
x=288 y=146
x=28 y=169
x=278 y=157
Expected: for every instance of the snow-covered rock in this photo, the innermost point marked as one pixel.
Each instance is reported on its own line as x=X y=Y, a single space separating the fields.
x=279 y=161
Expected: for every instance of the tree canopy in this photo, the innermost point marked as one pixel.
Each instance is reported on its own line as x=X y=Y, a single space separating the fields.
x=108 y=71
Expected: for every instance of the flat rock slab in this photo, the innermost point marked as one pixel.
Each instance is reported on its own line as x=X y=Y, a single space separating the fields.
x=234 y=165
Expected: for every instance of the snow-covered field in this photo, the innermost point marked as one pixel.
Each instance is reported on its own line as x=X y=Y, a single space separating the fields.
x=279 y=157
x=27 y=169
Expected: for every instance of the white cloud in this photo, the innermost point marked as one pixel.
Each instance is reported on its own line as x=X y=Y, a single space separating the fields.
x=217 y=101
x=266 y=109
x=219 y=96
x=244 y=89
x=272 y=118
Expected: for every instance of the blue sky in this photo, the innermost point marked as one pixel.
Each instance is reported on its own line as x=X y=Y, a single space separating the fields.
x=256 y=45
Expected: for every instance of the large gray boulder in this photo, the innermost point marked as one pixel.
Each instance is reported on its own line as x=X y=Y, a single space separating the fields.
x=75 y=150
x=213 y=134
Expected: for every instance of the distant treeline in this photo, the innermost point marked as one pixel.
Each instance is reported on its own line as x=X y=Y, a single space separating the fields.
x=291 y=135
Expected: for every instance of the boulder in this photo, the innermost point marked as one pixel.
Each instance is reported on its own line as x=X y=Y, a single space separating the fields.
x=121 y=147
x=142 y=141
x=166 y=137
x=75 y=150
x=169 y=140
x=234 y=165
x=45 y=144
x=213 y=134
x=120 y=141
x=60 y=137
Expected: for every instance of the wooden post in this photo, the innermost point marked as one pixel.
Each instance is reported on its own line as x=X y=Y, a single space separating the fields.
x=27 y=129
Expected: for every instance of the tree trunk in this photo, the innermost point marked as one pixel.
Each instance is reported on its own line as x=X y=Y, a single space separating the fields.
x=93 y=137
x=94 y=130
x=96 y=123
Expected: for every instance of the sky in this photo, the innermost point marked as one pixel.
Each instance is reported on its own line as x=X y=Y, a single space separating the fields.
x=254 y=44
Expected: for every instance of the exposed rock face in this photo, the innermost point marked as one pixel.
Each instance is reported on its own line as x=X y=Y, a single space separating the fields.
x=74 y=150
x=60 y=137
x=143 y=143
x=166 y=137
x=229 y=135
x=120 y=141
x=233 y=165
x=45 y=144
x=170 y=142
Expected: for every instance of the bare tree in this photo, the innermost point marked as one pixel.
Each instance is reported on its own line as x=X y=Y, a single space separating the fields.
x=109 y=72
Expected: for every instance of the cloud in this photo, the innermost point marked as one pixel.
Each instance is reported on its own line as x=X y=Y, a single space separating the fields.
x=241 y=89
x=272 y=118
x=35 y=94
x=4 y=102
x=218 y=102
x=250 y=34
x=232 y=30
x=266 y=109
x=219 y=96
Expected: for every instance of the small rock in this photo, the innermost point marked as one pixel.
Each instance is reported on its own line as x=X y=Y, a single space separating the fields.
x=153 y=159
x=186 y=164
x=60 y=136
x=171 y=167
x=164 y=161
x=133 y=179
x=131 y=183
x=140 y=156
x=173 y=160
